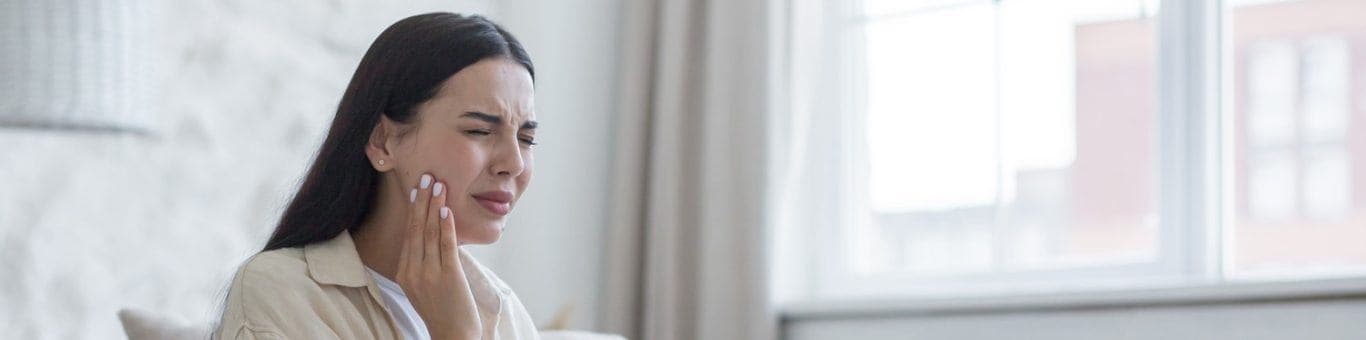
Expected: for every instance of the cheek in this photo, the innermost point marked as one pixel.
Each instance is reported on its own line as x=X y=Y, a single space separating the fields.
x=450 y=158
x=459 y=167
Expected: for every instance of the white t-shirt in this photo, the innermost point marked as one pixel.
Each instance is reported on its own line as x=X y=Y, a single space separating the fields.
x=405 y=317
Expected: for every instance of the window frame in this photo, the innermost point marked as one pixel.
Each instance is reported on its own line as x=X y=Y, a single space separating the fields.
x=1194 y=173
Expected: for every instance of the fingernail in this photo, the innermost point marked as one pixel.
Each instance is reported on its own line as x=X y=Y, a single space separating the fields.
x=412 y=196
x=445 y=212
x=436 y=191
x=426 y=181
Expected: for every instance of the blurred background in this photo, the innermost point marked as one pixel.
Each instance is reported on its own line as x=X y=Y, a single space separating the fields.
x=745 y=169
x=155 y=143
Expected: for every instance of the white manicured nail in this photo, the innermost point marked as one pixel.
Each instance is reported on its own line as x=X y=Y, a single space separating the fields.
x=445 y=212
x=412 y=196
x=426 y=181
x=436 y=191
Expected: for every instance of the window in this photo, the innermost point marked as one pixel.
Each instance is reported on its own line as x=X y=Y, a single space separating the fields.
x=979 y=146
x=1298 y=91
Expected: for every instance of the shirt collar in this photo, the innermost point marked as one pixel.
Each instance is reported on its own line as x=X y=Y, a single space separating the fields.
x=336 y=262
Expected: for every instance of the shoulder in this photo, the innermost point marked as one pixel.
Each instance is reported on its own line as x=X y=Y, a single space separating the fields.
x=274 y=270
x=304 y=292
x=266 y=287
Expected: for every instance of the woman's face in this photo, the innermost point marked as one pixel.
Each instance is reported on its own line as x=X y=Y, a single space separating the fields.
x=475 y=135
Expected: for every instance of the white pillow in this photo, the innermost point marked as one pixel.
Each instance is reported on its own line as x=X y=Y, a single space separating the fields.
x=143 y=325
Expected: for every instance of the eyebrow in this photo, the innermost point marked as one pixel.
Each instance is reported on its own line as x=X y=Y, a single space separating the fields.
x=496 y=120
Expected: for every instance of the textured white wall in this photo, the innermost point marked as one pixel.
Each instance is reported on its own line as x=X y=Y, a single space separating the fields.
x=91 y=223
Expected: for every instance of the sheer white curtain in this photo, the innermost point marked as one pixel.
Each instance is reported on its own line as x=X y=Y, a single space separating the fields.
x=688 y=244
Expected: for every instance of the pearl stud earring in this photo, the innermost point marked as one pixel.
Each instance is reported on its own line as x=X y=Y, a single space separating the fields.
x=381 y=162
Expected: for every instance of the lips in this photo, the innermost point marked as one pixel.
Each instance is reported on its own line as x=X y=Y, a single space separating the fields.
x=496 y=202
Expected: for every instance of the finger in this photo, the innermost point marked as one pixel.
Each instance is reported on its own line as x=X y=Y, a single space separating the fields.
x=432 y=234
x=417 y=218
x=450 y=256
x=412 y=237
x=421 y=196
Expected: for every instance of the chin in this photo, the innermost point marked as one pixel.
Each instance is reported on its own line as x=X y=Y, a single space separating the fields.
x=484 y=234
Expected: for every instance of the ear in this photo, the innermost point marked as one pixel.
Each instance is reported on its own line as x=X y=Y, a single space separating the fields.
x=379 y=147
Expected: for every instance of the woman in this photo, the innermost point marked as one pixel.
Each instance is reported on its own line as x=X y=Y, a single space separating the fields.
x=430 y=149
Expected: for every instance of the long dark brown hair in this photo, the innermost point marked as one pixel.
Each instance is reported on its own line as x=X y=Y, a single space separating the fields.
x=403 y=68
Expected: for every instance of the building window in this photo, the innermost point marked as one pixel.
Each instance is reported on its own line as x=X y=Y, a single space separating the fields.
x=1298 y=169
x=1015 y=145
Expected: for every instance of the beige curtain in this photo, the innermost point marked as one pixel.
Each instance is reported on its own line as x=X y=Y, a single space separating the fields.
x=688 y=248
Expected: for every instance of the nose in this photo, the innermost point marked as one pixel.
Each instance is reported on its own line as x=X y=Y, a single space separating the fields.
x=507 y=159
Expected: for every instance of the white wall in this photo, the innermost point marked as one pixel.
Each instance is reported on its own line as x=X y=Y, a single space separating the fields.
x=91 y=223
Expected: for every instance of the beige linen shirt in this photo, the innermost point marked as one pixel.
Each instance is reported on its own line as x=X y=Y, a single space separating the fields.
x=322 y=291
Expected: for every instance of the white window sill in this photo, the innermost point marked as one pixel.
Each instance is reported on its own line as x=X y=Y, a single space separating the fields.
x=1185 y=295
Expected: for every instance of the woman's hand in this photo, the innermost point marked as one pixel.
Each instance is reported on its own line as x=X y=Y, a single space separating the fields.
x=429 y=269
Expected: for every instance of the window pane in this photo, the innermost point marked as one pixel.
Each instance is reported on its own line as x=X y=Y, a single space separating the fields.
x=1009 y=136
x=1300 y=187
x=932 y=140
x=926 y=97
